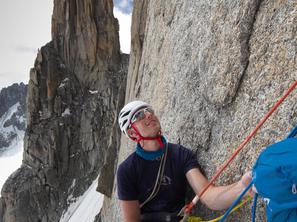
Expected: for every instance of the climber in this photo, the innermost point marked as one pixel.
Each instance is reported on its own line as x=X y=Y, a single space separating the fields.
x=152 y=180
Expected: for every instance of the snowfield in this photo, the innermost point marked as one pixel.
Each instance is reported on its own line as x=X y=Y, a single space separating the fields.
x=11 y=160
x=85 y=207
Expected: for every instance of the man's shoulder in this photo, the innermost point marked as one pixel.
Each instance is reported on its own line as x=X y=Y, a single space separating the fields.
x=184 y=157
x=177 y=148
x=129 y=161
x=174 y=146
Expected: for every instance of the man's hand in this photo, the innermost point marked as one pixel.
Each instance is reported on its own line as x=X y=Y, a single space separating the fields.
x=245 y=181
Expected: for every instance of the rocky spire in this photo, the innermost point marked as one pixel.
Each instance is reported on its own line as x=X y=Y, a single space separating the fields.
x=76 y=89
x=85 y=35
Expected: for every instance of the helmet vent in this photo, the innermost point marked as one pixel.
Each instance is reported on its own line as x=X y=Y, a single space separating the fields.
x=125 y=114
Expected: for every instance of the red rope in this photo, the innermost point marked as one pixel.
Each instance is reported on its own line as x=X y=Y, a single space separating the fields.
x=189 y=207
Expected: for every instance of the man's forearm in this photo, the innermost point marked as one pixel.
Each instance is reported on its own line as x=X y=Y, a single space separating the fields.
x=221 y=197
x=130 y=210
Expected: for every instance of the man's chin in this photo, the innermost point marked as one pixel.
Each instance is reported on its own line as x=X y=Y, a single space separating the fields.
x=157 y=133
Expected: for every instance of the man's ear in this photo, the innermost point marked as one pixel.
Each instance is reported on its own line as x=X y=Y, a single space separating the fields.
x=132 y=133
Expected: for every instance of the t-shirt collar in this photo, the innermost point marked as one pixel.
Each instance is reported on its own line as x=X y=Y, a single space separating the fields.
x=150 y=155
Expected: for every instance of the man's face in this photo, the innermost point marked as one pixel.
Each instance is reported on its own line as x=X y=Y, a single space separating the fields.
x=149 y=125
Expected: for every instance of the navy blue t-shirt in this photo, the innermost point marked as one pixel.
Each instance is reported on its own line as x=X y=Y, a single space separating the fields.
x=136 y=179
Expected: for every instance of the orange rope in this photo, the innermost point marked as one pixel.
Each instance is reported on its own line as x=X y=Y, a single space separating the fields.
x=188 y=208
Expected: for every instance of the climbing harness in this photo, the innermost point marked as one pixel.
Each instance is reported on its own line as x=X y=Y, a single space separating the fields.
x=159 y=217
x=186 y=210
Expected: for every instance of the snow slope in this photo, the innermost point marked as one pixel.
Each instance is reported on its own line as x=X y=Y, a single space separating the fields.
x=11 y=158
x=85 y=207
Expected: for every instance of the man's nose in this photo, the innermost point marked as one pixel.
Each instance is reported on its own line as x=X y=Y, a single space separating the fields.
x=148 y=115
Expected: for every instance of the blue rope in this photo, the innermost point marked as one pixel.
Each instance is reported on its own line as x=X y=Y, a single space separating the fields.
x=254 y=207
x=293 y=133
x=236 y=201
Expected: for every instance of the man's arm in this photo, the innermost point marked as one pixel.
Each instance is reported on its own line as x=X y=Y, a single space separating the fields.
x=130 y=209
x=216 y=198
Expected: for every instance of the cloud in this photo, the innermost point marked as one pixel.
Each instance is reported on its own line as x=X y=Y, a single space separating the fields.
x=25 y=49
x=125 y=6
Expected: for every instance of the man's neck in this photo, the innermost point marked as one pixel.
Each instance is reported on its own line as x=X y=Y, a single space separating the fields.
x=150 y=145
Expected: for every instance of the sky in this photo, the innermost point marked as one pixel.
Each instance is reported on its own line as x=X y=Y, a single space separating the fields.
x=26 y=26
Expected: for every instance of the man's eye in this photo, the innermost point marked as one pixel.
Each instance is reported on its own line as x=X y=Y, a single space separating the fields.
x=137 y=115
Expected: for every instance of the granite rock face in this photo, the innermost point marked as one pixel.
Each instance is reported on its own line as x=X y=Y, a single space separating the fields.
x=212 y=70
x=12 y=115
x=85 y=34
x=75 y=91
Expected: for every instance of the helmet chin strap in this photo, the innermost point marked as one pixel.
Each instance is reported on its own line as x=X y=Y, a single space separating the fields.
x=158 y=138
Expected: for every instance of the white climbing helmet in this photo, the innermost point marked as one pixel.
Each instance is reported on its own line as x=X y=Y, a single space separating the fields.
x=127 y=113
